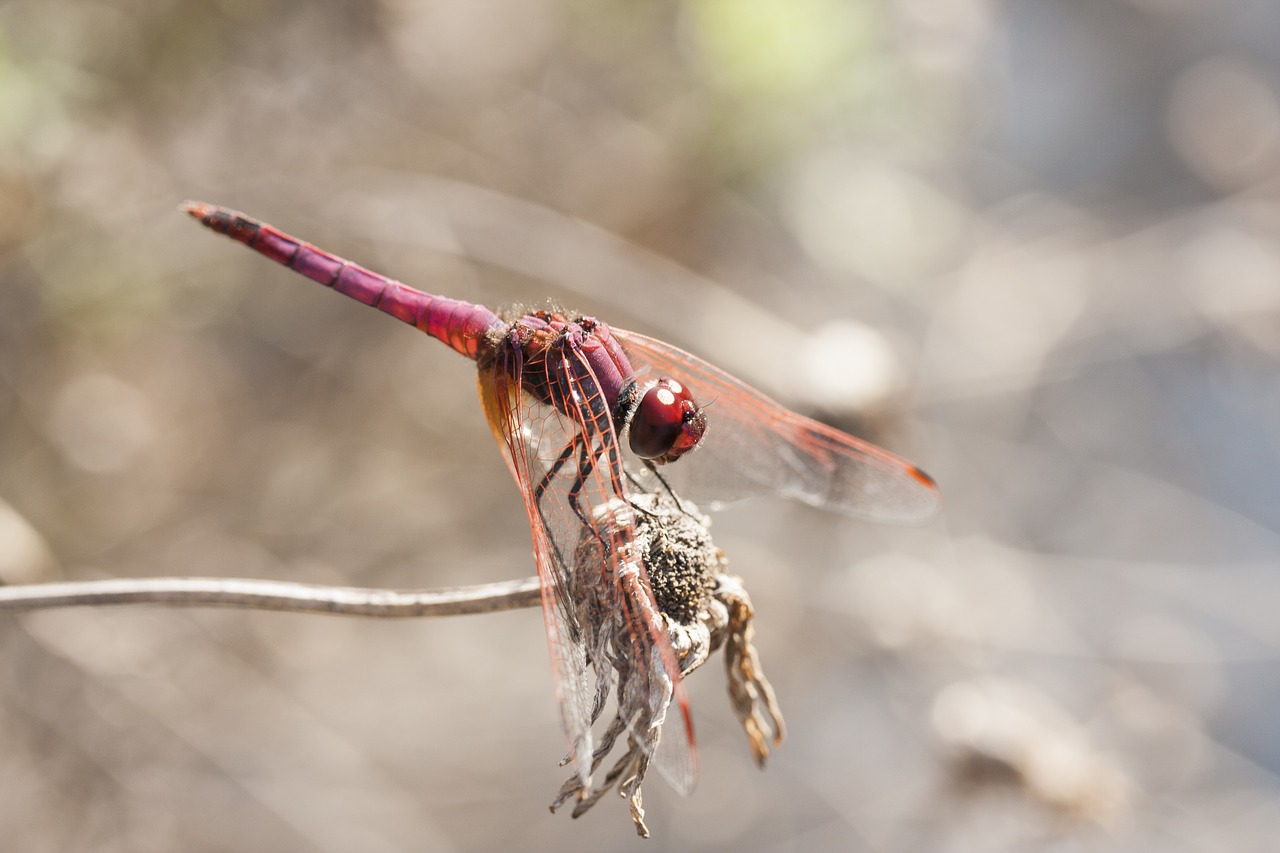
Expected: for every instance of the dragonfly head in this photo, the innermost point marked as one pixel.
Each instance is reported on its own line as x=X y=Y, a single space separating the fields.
x=666 y=423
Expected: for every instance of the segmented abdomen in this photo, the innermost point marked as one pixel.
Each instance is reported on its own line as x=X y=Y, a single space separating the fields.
x=461 y=325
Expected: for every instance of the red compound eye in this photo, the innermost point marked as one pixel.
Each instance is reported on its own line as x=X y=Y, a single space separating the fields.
x=667 y=423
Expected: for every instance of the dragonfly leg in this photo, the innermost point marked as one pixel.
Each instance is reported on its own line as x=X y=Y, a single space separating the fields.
x=585 y=464
x=641 y=488
x=538 y=492
x=653 y=469
x=541 y=488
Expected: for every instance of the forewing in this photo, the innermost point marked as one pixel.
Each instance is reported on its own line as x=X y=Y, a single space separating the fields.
x=755 y=446
x=583 y=535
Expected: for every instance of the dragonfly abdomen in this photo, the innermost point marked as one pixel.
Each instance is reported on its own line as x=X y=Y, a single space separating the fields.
x=462 y=325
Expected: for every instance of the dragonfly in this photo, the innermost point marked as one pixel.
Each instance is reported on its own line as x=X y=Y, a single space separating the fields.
x=586 y=413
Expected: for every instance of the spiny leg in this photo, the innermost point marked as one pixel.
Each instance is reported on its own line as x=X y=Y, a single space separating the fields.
x=585 y=464
x=538 y=493
x=545 y=482
x=653 y=469
x=639 y=487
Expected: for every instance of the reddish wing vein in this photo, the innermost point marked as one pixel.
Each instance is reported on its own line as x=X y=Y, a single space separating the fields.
x=502 y=406
x=755 y=446
x=533 y=436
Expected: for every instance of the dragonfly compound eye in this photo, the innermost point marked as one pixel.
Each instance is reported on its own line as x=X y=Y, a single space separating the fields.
x=667 y=423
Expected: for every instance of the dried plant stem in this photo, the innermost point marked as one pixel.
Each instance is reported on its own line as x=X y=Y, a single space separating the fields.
x=276 y=595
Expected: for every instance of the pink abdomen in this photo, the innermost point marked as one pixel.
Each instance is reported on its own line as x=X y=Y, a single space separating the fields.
x=461 y=325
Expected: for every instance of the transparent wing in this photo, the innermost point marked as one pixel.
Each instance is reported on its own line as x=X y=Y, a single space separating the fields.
x=573 y=684
x=595 y=595
x=755 y=446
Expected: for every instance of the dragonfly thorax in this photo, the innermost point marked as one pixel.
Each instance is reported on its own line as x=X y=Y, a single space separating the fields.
x=575 y=362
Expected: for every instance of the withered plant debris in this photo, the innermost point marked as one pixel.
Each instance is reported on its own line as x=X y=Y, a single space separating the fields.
x=703 y=609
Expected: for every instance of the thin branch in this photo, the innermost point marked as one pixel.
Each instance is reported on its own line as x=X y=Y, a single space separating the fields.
x=276 y=595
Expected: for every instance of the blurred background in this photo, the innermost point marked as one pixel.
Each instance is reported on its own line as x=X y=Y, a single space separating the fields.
x=1033 y=246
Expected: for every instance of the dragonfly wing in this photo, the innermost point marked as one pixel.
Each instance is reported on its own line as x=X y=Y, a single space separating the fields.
x=596 y=600
x=504 y=410
x=754 y=445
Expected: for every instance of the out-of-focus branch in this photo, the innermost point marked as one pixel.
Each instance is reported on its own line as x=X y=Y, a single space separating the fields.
x=276 y=595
